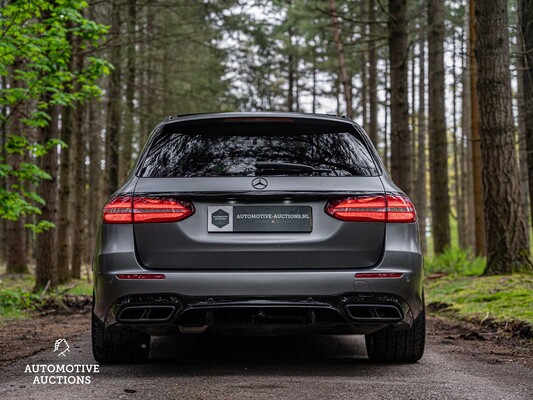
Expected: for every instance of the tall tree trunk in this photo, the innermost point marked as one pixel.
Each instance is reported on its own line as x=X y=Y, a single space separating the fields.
x=3 y=181
x=63 y=236
x=114 y=114
x=522 y=147
x=364 y=62
x=78 y=220
x=420 y=188
x=400 y=136
x=95 y=173
x=297 y=87
x=459 y=202
x=526 y=31
x=467 y=187
x=314 y=84
x=386 y=157
x=412 y=116
x=290 y=94
x=144 y=87
x=440 y=198
x=128 y=135
x=343 y=71
x=291 y=65
x=17 y=258
x=65 y=167
x=337 y=96
x=507 y=247
x=46 y=257
x=479 y=211
x=372 y=76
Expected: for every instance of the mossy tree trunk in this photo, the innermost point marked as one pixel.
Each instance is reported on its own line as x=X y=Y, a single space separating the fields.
x=507 y=245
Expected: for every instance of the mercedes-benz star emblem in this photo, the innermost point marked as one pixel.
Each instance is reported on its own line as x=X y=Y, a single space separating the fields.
x=259 y=183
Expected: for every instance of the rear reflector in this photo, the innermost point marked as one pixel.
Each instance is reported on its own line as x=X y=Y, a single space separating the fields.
x=141 y=276
x=373 y=275
x=388 y=208
x=128 y=209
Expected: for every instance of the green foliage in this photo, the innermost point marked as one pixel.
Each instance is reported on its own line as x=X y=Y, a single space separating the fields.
x=38 y=40
x=18 y=303
x=17 y=299
x=499 y=297
x=455 y=261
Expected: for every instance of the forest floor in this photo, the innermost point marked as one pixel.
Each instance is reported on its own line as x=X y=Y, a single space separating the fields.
x=461 y=361
x=456 y=288
x=495 y=302
x=23 y=337
x=29 y=321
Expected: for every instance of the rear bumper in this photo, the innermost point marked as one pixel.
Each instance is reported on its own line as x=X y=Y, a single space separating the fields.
x=210 y=289
x=161 y=314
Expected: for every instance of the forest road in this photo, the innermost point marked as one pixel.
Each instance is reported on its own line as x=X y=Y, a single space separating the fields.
x=320 y=367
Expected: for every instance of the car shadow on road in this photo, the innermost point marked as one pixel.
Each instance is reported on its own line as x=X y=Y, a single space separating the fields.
x=211 y=355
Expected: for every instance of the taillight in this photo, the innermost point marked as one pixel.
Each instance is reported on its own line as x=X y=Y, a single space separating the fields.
x=118 y=210
x=388 y=208
x=362 y=208
x=154 y=209
x=400 y=209
x=127 y=210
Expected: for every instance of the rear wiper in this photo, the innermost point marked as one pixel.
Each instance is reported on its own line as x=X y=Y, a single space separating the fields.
x=264 y=166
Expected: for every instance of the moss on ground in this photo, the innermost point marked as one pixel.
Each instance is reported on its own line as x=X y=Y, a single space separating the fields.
x=505 y=297
x=454 y=284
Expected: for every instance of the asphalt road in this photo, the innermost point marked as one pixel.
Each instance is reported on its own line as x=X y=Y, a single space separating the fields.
x=322 y=367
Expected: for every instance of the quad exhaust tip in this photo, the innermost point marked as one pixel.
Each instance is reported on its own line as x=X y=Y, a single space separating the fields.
x=155 y=313
x=374 y=312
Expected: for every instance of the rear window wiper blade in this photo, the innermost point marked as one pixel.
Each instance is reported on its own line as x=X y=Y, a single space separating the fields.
x=286 y=167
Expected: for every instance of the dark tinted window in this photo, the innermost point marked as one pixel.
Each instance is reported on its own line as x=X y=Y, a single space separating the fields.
x=243 y=152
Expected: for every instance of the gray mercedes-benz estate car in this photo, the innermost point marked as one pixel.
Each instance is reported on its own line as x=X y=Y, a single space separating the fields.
x=258 y=223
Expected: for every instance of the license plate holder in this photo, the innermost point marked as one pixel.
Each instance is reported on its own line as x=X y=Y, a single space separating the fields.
x=259 y=219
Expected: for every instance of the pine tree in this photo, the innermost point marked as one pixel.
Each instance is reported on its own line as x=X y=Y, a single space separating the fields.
x=507 y=247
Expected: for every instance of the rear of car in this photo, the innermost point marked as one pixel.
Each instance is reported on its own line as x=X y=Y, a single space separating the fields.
x=258 y=223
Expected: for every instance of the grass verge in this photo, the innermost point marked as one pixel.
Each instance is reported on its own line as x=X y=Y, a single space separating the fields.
x=453 y=286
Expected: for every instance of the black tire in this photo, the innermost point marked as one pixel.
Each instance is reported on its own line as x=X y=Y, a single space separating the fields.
x=390 y=345
x=118 y=344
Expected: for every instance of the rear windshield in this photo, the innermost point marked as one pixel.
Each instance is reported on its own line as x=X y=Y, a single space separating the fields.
x=247 y=150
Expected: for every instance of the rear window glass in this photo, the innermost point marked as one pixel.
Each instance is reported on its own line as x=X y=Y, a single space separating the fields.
x=254 y=152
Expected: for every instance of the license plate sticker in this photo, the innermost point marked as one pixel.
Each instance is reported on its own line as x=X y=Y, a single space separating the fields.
x=259 y=219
